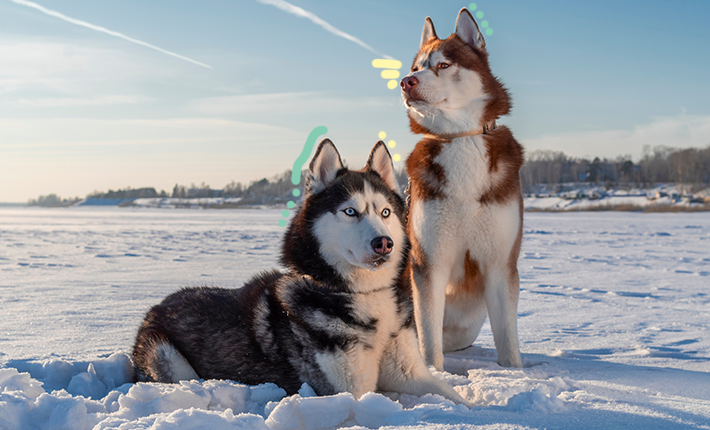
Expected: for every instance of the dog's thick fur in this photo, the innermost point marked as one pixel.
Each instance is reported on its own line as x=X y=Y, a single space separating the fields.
x=340 y=319
x=466 y=215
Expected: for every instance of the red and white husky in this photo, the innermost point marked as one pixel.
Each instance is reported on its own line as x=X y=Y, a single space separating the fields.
x=466 y=214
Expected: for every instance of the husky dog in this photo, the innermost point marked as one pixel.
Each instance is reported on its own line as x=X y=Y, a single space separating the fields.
x=465 y=215
x=340 y=319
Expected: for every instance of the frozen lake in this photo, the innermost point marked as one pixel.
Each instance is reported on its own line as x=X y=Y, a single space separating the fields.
x=614 y=319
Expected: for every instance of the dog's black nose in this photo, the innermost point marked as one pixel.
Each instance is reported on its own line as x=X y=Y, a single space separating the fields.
x=382 y=245
x=408 y=83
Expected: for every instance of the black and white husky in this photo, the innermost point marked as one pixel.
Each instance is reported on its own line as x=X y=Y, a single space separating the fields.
x=340 y=319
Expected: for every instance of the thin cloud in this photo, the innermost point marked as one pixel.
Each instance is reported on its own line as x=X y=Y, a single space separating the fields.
x=302 y=13
x=103 y=30
x=73 y=102
x=283 y=102
x=28 y=134
x=680 y=131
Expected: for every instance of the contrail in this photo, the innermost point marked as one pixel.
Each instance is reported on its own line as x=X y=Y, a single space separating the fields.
x=295 y=10
x=103 y=30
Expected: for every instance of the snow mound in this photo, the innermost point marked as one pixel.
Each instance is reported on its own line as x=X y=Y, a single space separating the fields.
x=296 y=412
x=87 y=403
x=100 y=398
x=12 y=381
x=537 y=400
x=373 y=409
x=91 y=399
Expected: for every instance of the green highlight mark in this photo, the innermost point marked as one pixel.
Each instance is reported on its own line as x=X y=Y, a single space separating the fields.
x=298 y=165
x=307 y=149
x=479 y=15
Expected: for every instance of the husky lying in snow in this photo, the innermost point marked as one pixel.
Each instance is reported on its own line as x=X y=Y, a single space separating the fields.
x=339 y=320
x=466 y=210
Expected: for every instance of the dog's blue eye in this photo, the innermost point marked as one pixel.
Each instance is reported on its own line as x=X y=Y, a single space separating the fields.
x=386 y=213
x=443 y=65
x=350 y=212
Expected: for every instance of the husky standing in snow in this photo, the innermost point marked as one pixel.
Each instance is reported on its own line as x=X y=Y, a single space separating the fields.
x=339 y=320
x=466 y=209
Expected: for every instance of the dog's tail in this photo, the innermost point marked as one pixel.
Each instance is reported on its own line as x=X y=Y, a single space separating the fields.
x=156 y=359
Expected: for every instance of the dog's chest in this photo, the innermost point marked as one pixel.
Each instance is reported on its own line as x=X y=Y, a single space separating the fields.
x=378 y=306
x=458 y=217
x=368 y=318
x=466 y=165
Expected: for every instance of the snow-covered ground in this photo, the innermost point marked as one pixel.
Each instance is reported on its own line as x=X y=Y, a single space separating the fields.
x=173 y=202
x=614 y=322
x=589 y=197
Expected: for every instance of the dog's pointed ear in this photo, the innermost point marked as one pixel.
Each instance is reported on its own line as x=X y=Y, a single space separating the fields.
x=324 y=167
x=380 y=162
x=428 y=33
x=467 y=30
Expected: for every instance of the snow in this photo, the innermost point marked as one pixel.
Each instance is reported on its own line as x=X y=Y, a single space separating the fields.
x=585 y=197
x=607 y=202
x=174 y=202
x=614 y=326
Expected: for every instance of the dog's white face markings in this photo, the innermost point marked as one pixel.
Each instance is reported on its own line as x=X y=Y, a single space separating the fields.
x=345 y=238
x=448 y=98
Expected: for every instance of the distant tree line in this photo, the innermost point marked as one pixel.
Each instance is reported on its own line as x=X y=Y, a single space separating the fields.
x=53 y=201
x=658 y=165
x=128 y=193
x=195 y=191
x=274 y=190
x=662 y=164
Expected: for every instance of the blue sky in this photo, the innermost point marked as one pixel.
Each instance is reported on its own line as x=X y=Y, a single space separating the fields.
x=82 y=110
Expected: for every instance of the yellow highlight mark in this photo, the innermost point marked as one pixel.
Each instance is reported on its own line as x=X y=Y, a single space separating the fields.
x=391 y=143
x=390 y=74
x=382 y=135
x=396 y=157
x=392 y=84
x=386 y=64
